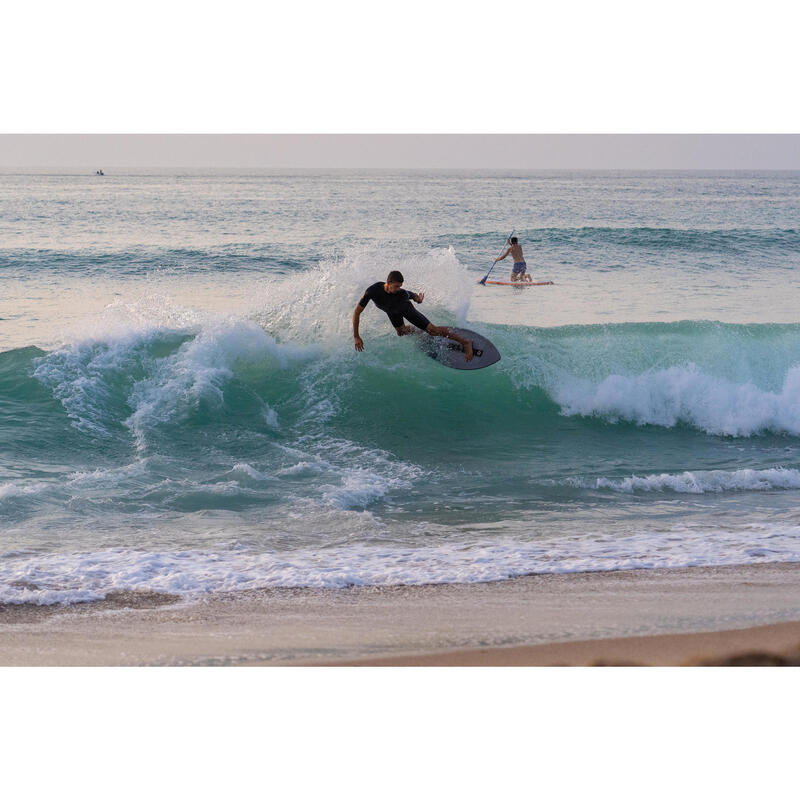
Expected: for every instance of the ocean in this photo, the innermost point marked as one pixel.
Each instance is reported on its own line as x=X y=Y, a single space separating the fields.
x=182 y=409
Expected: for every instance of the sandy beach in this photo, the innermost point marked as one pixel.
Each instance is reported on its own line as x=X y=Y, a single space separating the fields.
x=663 y=617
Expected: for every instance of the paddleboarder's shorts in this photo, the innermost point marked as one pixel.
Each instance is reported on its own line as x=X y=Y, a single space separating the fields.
x=412 y=315
x=519 y=267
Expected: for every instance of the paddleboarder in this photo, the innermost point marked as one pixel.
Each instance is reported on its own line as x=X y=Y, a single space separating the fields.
x=519 y=271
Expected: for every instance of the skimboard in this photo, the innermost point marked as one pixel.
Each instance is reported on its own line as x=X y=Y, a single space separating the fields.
x=450 y=353
x=519 y=284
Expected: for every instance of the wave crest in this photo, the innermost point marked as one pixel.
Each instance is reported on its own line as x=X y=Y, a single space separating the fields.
x=686 y=395
x=698 y=482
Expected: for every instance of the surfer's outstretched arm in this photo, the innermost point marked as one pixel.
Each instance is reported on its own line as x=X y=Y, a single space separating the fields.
x=503 y=256
x=357 y=340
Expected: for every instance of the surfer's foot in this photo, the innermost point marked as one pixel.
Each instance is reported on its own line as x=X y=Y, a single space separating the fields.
x=468 y=351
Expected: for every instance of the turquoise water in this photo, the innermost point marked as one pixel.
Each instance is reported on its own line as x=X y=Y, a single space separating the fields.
x=182 y=409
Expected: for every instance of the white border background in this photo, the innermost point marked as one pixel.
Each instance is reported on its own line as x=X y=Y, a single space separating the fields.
x=161 y=66
x=398 y=732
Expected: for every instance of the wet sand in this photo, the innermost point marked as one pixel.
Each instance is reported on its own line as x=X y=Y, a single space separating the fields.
x=656 y=617
x=767 y=646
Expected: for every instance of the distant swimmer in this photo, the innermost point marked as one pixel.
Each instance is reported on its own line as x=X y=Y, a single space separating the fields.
x=519 y=271
x=396 y=302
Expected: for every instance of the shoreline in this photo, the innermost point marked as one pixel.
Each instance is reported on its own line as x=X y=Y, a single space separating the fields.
x=656 y=617
x=760 y=646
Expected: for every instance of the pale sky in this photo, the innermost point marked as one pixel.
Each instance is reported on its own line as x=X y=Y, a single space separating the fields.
x=511 y=151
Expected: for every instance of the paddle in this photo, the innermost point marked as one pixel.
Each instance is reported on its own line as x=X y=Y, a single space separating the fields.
x=483 y=280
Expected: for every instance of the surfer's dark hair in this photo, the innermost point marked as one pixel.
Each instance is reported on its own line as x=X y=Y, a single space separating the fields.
x=514 y=240
x=395 y=277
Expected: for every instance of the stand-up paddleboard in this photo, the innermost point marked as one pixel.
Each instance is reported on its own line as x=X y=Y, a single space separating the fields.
x=449 y=353
x=517 y=283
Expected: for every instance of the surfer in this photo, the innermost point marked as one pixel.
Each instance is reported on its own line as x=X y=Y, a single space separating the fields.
x=519 y=272
x=396 y=302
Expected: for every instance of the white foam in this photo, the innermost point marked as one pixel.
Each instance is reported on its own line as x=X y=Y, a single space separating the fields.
x=110 y=477
x=250 y=471
x=303 y=469
x=73 y=577
x=199 y=370
x=358 y=488
x=699 y=482
x=131 y=320
x=686 y=395
x=21 y=489
x=376 y=477
x=87 y=375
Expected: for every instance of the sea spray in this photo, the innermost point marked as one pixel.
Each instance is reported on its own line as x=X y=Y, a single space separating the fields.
x=317 y=305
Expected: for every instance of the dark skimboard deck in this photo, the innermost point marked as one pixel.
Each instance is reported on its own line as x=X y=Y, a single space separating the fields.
x=450 y=354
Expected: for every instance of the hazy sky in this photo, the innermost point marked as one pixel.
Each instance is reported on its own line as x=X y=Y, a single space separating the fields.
x=521 y=151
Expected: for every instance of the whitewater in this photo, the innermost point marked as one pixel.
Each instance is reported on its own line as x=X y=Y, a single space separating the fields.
x=182 y=409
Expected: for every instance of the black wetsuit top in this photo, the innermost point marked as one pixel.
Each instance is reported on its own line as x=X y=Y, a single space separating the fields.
x=397 y=305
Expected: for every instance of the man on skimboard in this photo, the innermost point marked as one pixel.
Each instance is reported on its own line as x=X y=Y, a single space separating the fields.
x=396 y=302
x=519 y=272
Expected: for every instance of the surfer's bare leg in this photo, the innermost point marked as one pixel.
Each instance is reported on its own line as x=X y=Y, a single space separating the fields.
x=404 y=330
x=440 y=330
